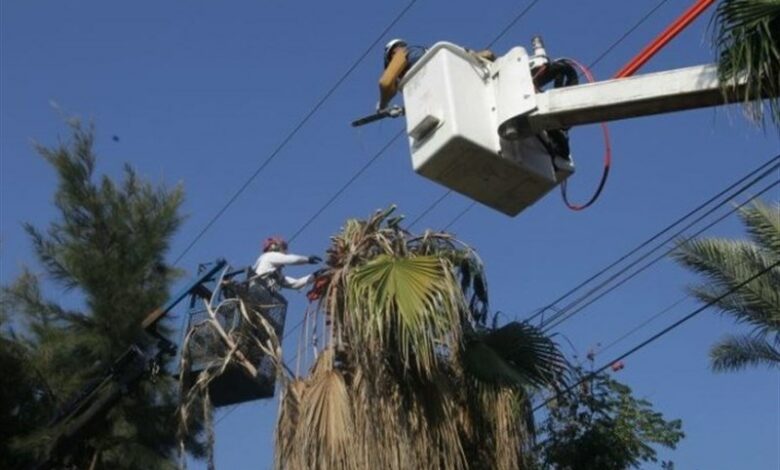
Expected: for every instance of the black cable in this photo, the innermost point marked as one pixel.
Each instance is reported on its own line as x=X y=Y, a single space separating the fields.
x=643 y=324
x=511 y=24
x=627 y=33
x=346 y=185
x=565 y=316
x=429 y=209
x=663 y=332
x=295 y=130
x=669 y=227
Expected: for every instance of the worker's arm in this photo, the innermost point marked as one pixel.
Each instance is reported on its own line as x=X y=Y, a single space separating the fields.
x=278 y=260
x=388 y=82
x=272 y=261
x=297 y=283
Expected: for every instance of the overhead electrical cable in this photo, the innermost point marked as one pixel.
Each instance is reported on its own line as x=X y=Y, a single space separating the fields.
x=294 y=131
x=661 y=333
x=764 y=169
x=567 y=312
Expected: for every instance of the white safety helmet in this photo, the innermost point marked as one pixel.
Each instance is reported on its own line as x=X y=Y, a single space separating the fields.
x=392 y=44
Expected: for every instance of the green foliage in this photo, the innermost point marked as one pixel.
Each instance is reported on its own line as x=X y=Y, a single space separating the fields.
x=107 y=249
x=747 y=38
x=725 y=264
x=601 y=425
x=516 y=354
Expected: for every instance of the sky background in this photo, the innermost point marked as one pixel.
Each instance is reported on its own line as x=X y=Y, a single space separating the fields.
x=200 y=94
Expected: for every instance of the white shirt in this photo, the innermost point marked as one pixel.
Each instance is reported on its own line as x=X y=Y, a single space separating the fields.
x=273 y=261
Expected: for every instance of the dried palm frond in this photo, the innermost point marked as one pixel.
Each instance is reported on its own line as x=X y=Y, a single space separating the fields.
x=227 y=350
x=400 y=383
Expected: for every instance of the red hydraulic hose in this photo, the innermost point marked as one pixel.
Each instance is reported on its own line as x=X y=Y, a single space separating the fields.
x=663 y=39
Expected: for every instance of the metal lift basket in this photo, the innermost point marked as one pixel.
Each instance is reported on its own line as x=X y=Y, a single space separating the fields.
x=205 y=347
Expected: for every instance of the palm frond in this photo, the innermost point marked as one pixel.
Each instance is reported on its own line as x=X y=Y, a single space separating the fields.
x=516 y=354
x=412 y=302
x=288 y=424
x=326 y=422
x=739 y=352
x=726 y=264
x=762 y=221
x=747 y=40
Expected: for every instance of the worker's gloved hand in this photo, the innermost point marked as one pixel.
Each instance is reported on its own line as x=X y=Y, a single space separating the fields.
x=319 y=273
x=315 y=259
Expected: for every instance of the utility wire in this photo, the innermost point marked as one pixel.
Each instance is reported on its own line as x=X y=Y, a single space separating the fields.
x=661 y=333
x=346 y=185
x=766 y=167
x=295 y=131
x=565 y=316
x=643 y=324
x=598 y=59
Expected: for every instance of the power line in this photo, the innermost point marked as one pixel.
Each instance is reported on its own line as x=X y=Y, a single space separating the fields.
x=643 y=324
x=295 y=131
x=565 y=316
x=346 y=185
x=663 y=332
x=598 y=59
x=773 y=163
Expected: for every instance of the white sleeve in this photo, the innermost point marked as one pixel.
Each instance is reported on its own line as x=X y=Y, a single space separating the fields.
x=284 y=259
x=297 y=283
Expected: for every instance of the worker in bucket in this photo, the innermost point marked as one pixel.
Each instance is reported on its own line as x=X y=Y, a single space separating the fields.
x=398 y=59
x=268 y=267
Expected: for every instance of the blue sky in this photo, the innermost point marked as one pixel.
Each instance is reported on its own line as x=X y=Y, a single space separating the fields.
x=200 y=93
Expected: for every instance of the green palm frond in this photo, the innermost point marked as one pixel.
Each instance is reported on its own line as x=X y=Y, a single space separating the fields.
x=409 y=301
x=747 y=39
x=726 y=264
x=739 y=352
x=516 y=354
x=763 y=224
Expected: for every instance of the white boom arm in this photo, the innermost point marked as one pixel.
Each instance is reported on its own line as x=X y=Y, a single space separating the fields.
x=641 y=95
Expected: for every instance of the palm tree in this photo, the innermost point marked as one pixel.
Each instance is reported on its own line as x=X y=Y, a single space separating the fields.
x=405 y=372
x=747 y=39
x=725 y=264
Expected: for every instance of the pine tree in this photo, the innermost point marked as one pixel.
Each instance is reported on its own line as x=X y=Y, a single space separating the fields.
x=106 y=249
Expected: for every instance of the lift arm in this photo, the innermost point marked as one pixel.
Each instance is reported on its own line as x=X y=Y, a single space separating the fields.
x=641 y=95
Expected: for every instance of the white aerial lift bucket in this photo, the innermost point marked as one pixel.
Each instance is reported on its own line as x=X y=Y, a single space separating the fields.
x=460 y=115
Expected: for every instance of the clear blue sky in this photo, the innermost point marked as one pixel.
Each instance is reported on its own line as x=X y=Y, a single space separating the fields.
x=200 y=93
